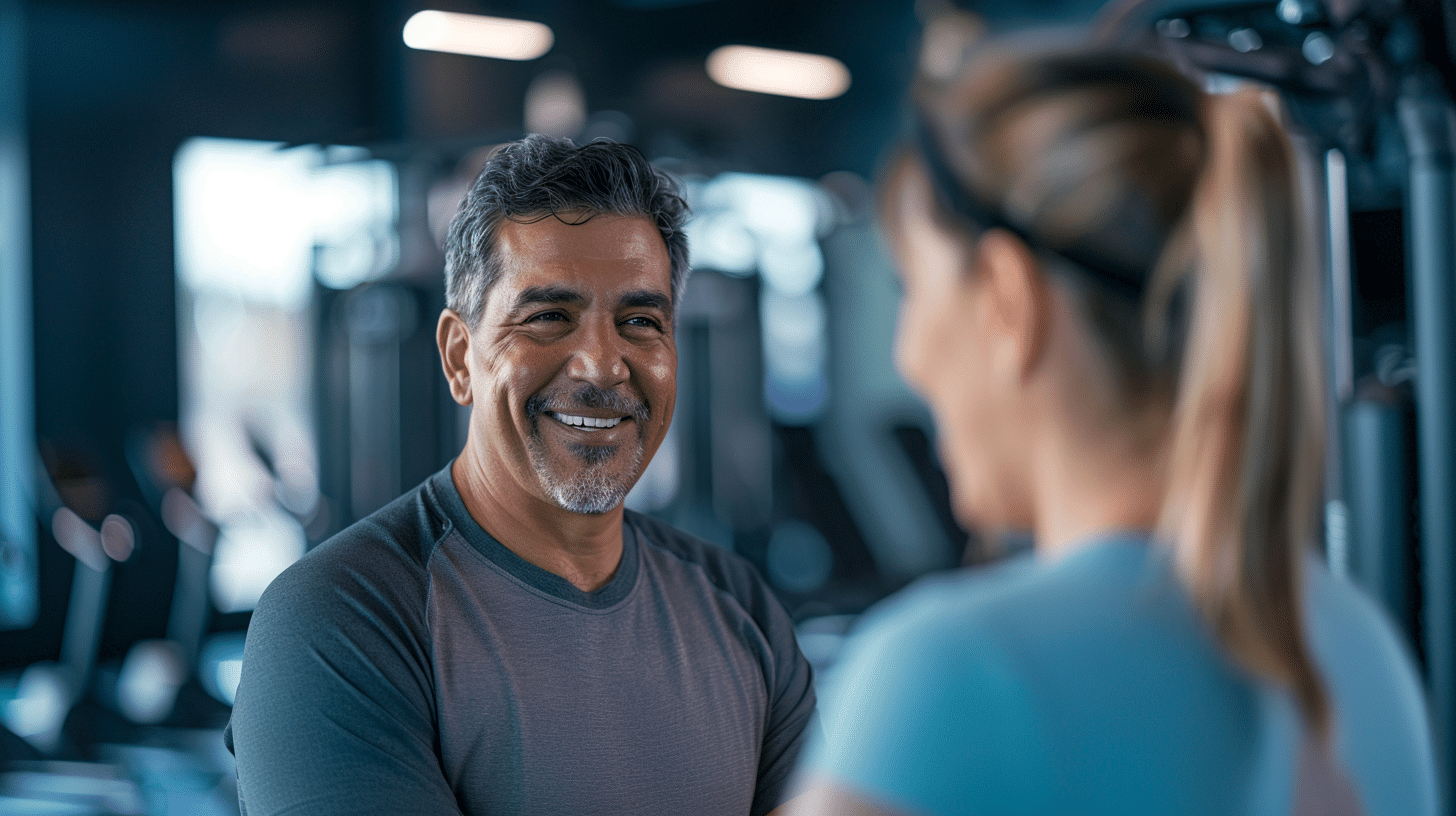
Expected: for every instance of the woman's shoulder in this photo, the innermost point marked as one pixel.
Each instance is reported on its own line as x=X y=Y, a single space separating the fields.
x=955 y=596
x=986 y=629
x=1025 y=599
x=1344 y=619
x=922 y=669
x=970 y=666
x=926 y=641
x=1382 y=730
x=1361 y=651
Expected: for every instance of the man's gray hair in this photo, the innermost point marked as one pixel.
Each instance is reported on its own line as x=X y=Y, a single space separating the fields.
x=541 y=177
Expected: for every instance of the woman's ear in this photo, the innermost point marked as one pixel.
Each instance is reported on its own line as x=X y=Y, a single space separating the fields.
x=453 y=338
x=1017 y=301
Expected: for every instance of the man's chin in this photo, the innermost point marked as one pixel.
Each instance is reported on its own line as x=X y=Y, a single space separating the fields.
x=587 y=498
x=596 y=484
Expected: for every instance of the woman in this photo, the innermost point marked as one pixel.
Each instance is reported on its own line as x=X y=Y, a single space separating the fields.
x=1111 y=315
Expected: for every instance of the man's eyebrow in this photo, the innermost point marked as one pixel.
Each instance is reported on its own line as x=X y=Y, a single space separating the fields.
x=535 y=295
x=647 y=299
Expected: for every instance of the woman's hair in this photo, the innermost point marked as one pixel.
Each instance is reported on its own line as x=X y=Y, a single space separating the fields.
x=1172 y=218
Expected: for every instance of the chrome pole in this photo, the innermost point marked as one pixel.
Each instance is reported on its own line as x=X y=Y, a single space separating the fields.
x=1428 y=122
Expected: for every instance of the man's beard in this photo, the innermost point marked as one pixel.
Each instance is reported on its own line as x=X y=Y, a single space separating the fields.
x=597 y=487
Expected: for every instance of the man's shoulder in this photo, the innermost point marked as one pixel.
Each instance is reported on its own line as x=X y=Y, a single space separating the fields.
x=658 y=536
x=683 y=552
x=412 y=524
x=375 y=555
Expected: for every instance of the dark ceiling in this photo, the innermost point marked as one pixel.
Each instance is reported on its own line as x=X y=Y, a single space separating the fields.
x=338 y=72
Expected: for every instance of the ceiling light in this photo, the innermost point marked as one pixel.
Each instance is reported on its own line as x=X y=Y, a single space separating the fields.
x=784 y=73
x=477 y=35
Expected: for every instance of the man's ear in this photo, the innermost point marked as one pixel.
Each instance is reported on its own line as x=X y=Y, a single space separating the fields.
x=1019 y=301
x=453 y=338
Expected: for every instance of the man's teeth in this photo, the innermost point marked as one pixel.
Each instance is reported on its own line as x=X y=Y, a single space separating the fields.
x=585 y=422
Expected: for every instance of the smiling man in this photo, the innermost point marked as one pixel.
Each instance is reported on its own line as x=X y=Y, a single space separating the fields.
x=506 y=638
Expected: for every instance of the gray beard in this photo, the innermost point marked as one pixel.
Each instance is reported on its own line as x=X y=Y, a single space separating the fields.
x=595 y=489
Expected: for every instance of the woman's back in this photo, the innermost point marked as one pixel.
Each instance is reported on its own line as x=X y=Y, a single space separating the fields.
x=1091 y=686
x=1112 y=312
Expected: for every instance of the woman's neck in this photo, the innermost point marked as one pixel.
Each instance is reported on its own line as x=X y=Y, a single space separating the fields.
x=1086 y=486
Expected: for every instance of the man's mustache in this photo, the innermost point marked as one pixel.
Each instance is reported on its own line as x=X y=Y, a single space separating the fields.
x=591 y=397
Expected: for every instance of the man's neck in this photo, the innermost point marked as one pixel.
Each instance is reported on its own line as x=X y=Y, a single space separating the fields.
x=585 y=549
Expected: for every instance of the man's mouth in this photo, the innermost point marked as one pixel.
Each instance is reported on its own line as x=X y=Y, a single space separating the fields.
x=585 y=423
x=616 y=405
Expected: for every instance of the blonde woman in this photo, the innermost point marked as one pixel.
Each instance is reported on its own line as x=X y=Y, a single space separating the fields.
x=1109 y=310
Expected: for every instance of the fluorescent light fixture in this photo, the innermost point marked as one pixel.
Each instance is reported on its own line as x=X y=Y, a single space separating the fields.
x=784 y=73
x=477 y=35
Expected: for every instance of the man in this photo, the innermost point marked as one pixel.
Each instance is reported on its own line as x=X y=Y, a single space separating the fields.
x=506 y=638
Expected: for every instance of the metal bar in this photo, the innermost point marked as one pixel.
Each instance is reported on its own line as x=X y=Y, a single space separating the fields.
x=1426 y=118
x=19 y=603
x=85 y=618
x=376 y=318
x=1376 y=489
x=1338 y=343
x=1340 y=328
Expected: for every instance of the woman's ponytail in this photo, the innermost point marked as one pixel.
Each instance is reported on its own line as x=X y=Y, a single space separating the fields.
x=1095 y=153
x=1247 y=429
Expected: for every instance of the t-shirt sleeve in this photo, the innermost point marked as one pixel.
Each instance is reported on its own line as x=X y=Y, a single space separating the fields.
x=334 y=711
x=924 y=721
x=791 y=705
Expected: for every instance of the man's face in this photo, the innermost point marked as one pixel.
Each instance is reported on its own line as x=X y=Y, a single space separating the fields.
x=573 y=366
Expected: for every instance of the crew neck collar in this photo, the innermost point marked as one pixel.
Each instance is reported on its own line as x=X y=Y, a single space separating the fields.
x=1102 y=546
x=442 y=484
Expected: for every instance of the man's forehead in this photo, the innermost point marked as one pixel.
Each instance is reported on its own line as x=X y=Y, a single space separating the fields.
x=591 y=256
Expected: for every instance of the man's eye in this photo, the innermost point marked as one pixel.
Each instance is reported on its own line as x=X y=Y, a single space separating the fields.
x=546 y=317
x=643 y=322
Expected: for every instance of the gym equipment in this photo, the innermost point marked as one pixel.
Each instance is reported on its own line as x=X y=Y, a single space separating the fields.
x=47 y=691
x=155 y=671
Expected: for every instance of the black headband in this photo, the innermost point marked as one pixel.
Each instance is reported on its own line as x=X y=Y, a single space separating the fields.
x=1124 y=279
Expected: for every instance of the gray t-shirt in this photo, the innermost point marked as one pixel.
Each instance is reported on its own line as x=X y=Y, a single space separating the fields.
x=414 y=665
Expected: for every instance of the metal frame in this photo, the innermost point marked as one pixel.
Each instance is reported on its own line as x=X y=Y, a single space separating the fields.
x=18 y=590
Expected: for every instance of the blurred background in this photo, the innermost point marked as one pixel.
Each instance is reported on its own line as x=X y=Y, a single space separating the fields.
x=220 y=270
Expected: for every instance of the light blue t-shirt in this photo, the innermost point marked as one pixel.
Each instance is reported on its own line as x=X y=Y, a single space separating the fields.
x=1090 y=685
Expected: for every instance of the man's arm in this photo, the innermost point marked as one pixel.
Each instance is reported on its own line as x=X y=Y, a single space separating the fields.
x=791 y=707
x=334 y=711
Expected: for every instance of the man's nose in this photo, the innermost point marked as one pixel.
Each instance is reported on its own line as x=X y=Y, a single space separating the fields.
x=598 y=356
